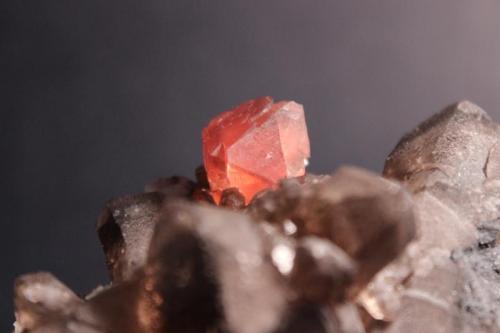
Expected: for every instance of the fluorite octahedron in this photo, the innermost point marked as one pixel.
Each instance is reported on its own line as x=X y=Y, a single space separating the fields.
x=255 y=145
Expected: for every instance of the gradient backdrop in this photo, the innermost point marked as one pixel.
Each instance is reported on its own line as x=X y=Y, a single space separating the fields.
x=99 y=97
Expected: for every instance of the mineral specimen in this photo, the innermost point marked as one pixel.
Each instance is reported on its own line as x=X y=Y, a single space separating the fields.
x=254 y=145
x=351 y=252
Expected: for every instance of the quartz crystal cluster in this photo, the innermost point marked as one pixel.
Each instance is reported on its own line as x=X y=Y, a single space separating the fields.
x=257 y=246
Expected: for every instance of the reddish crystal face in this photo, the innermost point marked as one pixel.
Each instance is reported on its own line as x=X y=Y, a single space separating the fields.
x=255 y=145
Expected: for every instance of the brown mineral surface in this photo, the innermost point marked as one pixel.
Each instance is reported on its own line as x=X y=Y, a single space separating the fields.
x=412 y=250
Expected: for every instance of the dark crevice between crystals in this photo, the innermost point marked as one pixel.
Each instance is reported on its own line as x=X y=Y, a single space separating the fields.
x=123 y=226
x=305 y=318
x=113 y=244
x=185 y=280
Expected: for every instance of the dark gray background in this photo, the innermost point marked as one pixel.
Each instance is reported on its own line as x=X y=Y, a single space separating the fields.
x=99 y=97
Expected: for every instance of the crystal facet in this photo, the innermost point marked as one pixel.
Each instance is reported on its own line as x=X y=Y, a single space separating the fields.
x=254 y=145
x=125 y=228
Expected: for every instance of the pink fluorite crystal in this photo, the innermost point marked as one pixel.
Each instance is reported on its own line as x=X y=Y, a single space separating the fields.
x=255 y=145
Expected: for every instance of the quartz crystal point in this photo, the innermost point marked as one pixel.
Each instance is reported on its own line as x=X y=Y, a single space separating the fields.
x=453 y=146
x=367 y=216
x=254 y=145
x=447 y=279
x=126 y=224
x=125 y=228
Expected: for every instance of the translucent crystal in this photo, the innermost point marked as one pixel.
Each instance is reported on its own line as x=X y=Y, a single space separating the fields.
x=254 y=145
x=208 y=268
x=125 y=228
x=370 y=218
